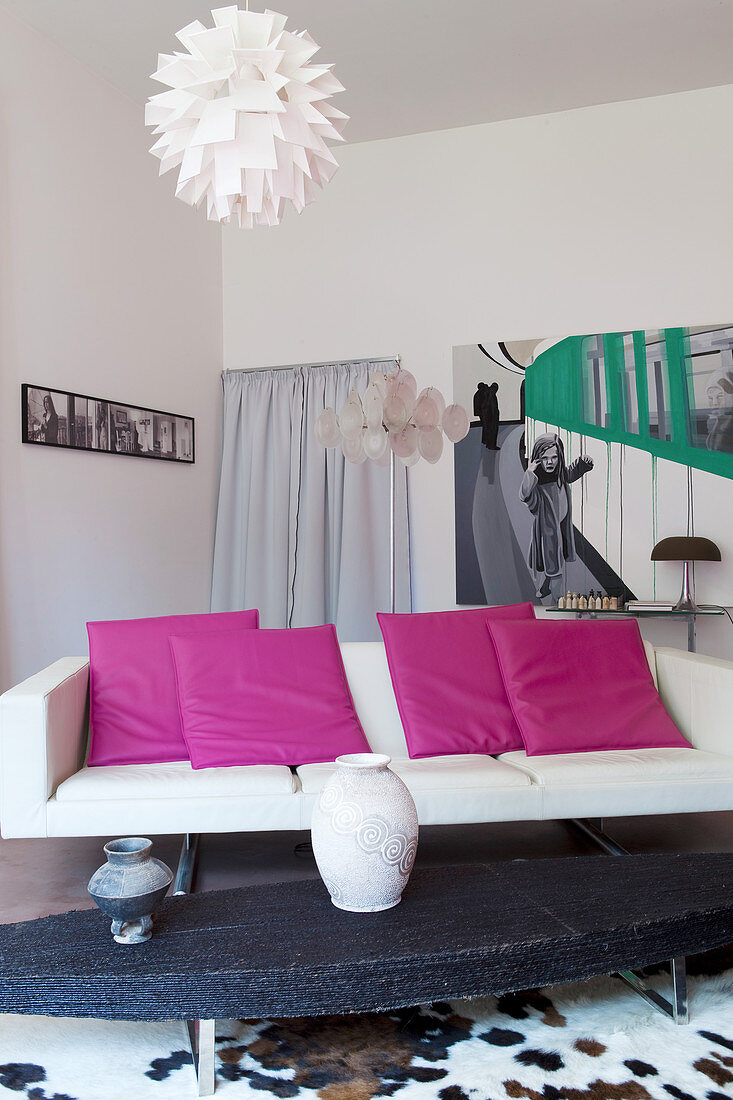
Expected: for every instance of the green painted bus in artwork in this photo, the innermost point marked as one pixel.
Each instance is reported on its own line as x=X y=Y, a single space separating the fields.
x=668 y=391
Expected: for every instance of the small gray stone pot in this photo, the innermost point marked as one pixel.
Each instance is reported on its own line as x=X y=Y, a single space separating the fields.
x=364 y=834
x=129 y=886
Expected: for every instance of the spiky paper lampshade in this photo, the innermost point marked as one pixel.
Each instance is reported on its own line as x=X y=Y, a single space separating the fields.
x=246 y=117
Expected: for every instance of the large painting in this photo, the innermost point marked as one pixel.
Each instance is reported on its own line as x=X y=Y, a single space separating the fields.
x=564 y=445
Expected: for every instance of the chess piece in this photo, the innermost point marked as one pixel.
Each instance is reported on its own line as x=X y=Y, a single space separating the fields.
x=561 y=603
x=614 y=603
x=606 y=603
x=576 y=602
x=583 y=603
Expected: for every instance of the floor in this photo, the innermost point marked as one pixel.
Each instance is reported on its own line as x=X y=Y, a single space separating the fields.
x=39 y=877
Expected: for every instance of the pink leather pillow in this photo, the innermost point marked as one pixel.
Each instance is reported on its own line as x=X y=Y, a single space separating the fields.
x=133 y=703
x=265 y=697
x=447 y=682
x=582 y=687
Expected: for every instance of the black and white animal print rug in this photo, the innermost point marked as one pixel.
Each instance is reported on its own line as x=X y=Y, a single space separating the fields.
x=593 y=1040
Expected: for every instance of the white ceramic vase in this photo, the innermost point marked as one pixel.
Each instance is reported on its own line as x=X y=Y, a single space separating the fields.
x=364 y=834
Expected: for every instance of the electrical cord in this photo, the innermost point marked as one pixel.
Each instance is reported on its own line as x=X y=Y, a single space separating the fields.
x=716 y=607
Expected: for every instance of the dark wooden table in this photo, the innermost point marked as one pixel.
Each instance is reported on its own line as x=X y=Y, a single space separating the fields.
x=284 y=950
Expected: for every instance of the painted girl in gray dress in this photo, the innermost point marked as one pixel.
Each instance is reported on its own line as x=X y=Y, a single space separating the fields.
x=545 y=489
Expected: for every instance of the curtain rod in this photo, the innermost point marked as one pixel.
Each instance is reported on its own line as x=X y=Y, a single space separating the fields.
x=325 y=363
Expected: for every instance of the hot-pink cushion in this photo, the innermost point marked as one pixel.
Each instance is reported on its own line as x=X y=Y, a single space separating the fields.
x=582 y=687
x=133 y=702
x=447 y=681
x=265 y=697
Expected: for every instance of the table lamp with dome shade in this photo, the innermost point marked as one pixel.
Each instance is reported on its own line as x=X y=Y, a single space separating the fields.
x=687 y=549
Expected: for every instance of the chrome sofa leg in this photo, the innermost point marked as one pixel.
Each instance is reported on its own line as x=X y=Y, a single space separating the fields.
x=186 y=865
x=681 y=1012
x=677 y=1008
x=201 y=1033
x=202 y=1040
x=598 y=837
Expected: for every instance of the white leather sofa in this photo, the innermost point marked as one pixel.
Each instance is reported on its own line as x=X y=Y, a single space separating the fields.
x=45 y=789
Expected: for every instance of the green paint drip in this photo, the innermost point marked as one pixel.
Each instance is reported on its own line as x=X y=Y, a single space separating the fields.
x=654 y=523
x=622 y=459
x=608 y=489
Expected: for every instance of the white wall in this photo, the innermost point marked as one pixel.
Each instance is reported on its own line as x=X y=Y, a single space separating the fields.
x=612 y=217
x=108 y=286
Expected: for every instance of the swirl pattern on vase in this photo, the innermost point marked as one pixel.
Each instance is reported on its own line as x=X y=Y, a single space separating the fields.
x=372 y=833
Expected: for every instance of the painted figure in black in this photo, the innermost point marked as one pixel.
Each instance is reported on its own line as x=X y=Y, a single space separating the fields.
x=545 y=489
x=486 y=408
x=49 y=421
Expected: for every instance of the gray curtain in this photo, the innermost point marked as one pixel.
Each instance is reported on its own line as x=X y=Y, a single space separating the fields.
x=300 y=533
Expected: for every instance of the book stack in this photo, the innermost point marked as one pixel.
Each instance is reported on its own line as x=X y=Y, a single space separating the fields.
x=649 y=605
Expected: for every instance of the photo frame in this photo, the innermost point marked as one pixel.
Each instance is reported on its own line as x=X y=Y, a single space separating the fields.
x=78 y=422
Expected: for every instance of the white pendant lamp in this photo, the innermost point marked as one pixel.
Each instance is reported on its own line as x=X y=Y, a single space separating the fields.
x=246 y=117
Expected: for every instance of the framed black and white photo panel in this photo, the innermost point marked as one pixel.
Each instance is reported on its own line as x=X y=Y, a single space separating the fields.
x=75 y=421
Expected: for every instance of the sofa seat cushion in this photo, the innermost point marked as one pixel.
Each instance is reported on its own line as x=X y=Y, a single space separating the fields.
x=451 y=773
x=621 y=766
x=449 y=790
x=175 y=780
x=628 y=782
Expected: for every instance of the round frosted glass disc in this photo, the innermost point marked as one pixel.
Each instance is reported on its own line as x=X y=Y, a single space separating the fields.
x=406 y=395
x=395 y=413
x=354 y=448
x=352 y=417
x=402 y=384
x=431 y=445
x=379 y=380
x=375 y=443
x=411 y=460
x=404 y=443
x=327 y=429
x=438 y=398
x=455 y=423
x=407 y=383
x=427 y=413
x=373 y=408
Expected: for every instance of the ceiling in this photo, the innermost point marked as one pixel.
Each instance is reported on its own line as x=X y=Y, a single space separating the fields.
x=409 y=67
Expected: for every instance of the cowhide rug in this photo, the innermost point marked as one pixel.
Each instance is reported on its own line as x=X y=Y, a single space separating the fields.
x=586 y=1041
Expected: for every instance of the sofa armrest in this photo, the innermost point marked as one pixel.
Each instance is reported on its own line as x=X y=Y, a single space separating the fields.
x=43 y=738
x=698 y=693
